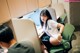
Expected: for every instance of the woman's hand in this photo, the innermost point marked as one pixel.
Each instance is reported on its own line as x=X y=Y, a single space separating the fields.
x=59 y=37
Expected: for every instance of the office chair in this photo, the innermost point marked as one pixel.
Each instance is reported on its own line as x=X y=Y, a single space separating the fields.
x=65 y=45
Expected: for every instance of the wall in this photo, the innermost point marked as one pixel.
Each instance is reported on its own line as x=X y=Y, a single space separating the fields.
x=66 y=6
x=72 y=9
x=4 y=12
x=17 y=8
x=54 y=2
x=75 y=13
x=43 y=3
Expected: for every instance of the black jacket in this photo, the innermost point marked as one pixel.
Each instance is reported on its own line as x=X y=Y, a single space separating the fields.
x=22 y=47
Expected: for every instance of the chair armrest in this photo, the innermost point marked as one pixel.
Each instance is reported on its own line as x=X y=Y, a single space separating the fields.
x=62 y=47
x=65 y=43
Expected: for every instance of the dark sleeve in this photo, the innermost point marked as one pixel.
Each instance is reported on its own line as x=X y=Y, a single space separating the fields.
x=29 y=50
x=22 y=47
x=29 y=47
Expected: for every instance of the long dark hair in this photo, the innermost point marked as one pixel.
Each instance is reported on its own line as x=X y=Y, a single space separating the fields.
x=45 y=12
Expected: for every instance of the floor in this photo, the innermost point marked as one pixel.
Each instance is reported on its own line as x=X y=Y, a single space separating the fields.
x=76 y=42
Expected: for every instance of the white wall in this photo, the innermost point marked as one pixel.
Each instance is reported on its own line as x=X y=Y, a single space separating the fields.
x=66 y=6
x=72 y=9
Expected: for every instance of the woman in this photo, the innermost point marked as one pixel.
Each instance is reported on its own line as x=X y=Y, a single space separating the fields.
x=51 y=36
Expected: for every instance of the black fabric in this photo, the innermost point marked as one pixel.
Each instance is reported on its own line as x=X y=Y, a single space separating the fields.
x=45 y=39
x=21 y=48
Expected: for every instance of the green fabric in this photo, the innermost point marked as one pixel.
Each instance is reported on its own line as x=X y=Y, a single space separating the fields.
x=68 y=32
x=63 y=17
x=56 y=49
x=65 y=43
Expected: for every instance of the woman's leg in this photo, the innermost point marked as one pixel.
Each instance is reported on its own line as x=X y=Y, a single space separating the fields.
x=45 y=40
x=44 y=49
x=55 y=41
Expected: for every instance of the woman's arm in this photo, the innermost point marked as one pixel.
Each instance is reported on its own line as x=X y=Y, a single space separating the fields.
x=40 y=32
x=61 y=27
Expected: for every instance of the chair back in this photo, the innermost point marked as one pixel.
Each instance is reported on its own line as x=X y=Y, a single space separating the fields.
x=25 y=30
x=68 y=31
